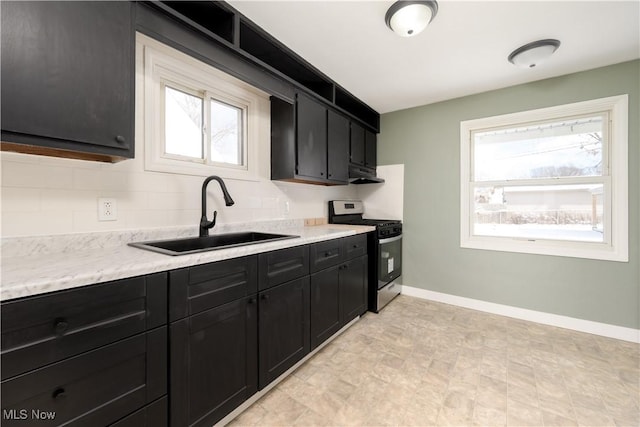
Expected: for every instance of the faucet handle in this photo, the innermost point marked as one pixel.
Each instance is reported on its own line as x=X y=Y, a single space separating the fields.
x=213 y=222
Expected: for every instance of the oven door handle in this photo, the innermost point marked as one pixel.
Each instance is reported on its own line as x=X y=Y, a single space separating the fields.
x=390 y=239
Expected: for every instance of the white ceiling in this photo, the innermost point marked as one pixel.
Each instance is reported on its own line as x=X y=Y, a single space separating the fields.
x=463 y=51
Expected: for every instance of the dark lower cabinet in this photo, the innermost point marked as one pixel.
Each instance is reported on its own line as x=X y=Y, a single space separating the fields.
x=283 y=328
x=338 y=286
x=325 y=305
x=338 y=295
x=155 y=414
x=213 y=362
x=353 y=289
x=95 y=388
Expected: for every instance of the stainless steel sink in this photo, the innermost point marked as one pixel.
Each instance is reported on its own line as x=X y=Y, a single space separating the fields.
x=209 y=243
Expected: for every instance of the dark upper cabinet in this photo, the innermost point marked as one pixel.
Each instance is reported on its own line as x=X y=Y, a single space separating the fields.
x=363 y=149
x=283 y=328
x=309 y=142
x=68 y=78
x=370 y=149
x=213 y=362
x=311 y=138
x=337 y=147
x=357 y=146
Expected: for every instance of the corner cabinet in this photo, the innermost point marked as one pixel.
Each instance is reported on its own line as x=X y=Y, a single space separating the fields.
x=68 y=78
x=309 y=142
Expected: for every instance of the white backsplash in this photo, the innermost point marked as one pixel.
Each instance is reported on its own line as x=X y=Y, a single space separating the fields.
x=47 y=196
x=384 y=201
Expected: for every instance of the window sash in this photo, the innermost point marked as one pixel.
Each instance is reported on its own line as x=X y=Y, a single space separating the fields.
x=606 y=205
x=535 y=123
x=207 y=97
x=614 y=181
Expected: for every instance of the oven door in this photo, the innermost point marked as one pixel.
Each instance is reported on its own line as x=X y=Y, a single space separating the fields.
x=389 y=259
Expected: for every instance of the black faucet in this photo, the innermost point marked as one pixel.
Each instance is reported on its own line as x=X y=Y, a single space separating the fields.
x=205 y=224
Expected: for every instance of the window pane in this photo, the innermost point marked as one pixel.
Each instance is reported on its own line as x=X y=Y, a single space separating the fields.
x=558 y=212
x=550 y=150
x=183 y=123
x=226 y=133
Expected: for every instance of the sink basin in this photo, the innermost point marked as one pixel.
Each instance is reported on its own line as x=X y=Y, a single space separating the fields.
x=192 y=245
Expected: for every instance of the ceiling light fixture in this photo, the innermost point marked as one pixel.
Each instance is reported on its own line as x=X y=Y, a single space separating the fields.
x=408 y=18
x=534 y=53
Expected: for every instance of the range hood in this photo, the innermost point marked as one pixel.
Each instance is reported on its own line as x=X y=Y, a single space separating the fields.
x=362 y=175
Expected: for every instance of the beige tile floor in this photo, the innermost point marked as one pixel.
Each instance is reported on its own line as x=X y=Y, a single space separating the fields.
x=420 y=363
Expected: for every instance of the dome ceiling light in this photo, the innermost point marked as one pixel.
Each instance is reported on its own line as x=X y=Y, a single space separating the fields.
x=408 y=18
x=534 y=53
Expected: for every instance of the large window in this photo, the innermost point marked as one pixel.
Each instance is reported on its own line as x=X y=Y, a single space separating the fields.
x=550 y=181
x=198 y=119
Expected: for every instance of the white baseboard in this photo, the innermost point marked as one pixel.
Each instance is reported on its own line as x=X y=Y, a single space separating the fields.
x=596 y=328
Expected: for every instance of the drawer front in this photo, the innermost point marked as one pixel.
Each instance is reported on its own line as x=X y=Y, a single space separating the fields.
x=281 y=266
x=354 y=246
x=195 y=289
x=326 y=254
x=45 y=329
x=95 y=388
x=152 y=415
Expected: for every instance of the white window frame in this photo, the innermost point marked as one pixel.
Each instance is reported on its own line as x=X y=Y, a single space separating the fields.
x=163 y=65
x=616 y=246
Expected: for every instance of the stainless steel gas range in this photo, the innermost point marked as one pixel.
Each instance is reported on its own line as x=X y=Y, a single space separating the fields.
x=385 y=243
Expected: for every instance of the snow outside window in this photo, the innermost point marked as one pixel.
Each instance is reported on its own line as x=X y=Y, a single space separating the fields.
x=550 y=181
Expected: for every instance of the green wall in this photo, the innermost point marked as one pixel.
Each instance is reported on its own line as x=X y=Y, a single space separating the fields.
x=427 y=140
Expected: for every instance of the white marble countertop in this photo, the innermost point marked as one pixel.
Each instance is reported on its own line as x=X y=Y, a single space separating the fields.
x=43 y=269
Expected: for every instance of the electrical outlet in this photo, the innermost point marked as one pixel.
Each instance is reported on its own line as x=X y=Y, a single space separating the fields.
x=107 y=210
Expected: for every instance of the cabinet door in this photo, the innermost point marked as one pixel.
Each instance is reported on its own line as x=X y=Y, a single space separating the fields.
x=338 y=147
x=325 y=305
x=353 y=288
x=370 y=149
x=311 y=138
x=357 y=144
x=283 y=328
x=213 y=366
x=67 y=75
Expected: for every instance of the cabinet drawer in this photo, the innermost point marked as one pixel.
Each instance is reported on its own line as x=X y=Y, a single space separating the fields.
x=195 y=289
x=93 y=389
x=152 y=415
x=354 y=246
x=44 y=329
x=326 y=254
x=281 y=266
